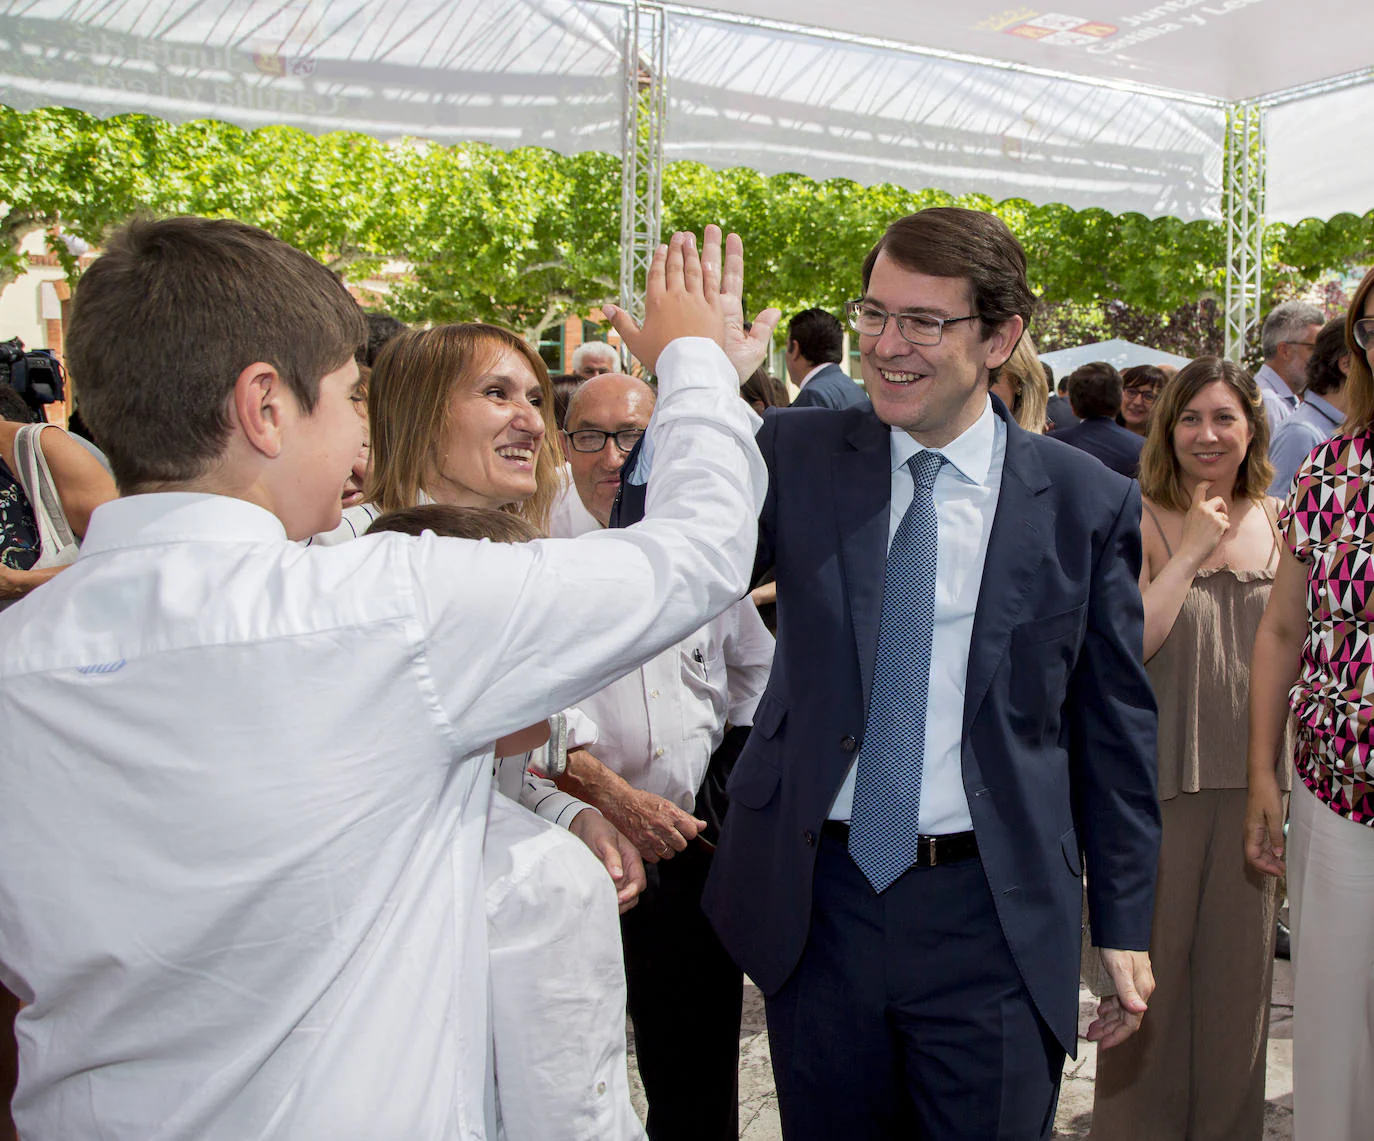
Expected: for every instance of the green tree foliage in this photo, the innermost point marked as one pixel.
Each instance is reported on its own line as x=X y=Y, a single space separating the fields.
x=528 y=237
x=525 y=238
x=64 y=166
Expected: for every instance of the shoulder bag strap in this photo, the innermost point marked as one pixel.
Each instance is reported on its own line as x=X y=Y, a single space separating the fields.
x=58 y=539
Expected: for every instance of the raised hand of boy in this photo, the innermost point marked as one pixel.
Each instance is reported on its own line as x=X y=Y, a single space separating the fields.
x=683 y=298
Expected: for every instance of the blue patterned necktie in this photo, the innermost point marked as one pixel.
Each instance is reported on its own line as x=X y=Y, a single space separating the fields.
x=884 y=822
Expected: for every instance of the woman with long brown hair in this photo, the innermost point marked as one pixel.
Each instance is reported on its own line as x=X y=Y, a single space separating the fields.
x=1315 y=655
x=464 y=415
x=1196 y=1068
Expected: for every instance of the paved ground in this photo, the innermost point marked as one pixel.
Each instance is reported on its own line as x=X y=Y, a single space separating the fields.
x=759 y=1105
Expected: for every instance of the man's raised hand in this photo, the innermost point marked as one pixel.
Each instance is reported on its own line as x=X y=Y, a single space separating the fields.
x=746 y=350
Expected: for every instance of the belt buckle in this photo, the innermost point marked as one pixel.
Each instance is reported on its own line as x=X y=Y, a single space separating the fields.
x=933 y=849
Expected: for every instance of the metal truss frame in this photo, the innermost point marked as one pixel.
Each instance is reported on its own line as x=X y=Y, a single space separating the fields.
x=644 y=114
x=1243 y=211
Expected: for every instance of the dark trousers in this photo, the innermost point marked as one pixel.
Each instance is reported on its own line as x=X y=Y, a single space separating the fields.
x=907 y=1018
x=685 y=996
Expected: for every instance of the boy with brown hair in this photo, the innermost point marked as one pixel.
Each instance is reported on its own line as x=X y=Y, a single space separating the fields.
x=240 y=860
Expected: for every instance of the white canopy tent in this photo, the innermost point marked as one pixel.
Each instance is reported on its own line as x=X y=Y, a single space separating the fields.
x=1134 y=106
x=1116 y=352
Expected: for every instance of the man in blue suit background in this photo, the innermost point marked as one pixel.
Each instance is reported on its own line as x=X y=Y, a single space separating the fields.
x=958 y=720
x=815 y=347
x=1095 y=394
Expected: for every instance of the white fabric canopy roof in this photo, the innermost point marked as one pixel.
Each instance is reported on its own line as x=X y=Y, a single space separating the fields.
x=1119 y=105
x=1117 y=353
x=510 y=72
x=1228 y=50
x=775 y=101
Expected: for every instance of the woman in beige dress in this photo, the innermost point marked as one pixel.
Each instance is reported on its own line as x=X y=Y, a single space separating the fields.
x=1195 y=1071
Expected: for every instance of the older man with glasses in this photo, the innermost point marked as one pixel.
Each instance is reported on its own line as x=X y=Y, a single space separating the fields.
x=657 y=729
x=1289 y=333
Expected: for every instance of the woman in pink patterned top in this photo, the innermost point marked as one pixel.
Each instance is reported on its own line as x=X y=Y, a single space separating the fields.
x=1315 y=653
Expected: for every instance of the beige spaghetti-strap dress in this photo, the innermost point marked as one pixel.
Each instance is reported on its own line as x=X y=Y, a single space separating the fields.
x=1195 y=1070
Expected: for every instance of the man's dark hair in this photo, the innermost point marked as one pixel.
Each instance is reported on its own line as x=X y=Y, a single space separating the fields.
x=948 y=241
x=1049 y=379
x=456 y=523
x=819 y=336
x=381 y=327
x=14 y=407
x=1324 y=373
x=1095 y=391
x=168 y=317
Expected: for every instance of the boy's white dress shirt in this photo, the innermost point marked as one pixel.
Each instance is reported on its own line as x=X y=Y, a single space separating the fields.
x=240 y=856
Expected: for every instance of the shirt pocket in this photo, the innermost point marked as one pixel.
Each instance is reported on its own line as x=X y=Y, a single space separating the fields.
x=703 y=670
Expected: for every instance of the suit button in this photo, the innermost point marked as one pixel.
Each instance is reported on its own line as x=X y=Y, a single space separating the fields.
x=810 y=838
x=848 y=744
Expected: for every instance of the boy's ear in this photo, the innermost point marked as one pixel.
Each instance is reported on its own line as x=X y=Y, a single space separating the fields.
x=259 y=406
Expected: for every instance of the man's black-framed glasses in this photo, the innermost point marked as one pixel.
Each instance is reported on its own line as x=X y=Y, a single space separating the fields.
x=915 y=328
x=1364 y=332
x=593 y=440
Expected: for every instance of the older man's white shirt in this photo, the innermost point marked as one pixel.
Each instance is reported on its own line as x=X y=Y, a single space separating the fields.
x=243 y=787
x=658 y=725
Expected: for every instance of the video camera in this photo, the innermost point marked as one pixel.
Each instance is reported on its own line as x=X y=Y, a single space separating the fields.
x=36 y=374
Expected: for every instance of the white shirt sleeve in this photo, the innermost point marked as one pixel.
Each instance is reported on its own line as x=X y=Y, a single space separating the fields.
x=582 y=730
x=748 y=650
x=499 y=637
x=545 y=799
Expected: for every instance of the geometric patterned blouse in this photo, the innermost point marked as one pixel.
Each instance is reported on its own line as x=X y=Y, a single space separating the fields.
x=1328 y=523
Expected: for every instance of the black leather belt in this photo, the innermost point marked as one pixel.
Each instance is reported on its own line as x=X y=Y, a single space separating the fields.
x=931 y=851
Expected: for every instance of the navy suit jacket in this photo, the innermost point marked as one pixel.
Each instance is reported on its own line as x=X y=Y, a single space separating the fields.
x=1059 y=412
x=830 y=388
x=1117 y=447
x=1059 y=718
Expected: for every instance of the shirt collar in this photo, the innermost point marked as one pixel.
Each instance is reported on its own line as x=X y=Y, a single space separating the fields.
x=1268 y=378
x=812 y=373
x=570 y=517
x=1325 y=407
x=969 y=453
x=178 y=516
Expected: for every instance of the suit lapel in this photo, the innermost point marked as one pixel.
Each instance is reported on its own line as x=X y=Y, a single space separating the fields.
x=1021 y=531
x=863 y=491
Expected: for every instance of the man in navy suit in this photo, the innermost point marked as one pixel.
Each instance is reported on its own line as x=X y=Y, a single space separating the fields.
x=815 y=346
x=957 y=722
x=1095 y=393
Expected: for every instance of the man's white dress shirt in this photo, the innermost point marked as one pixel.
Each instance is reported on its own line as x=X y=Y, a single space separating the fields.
x=243 y=789
x=1279 y=400
x=658 y=725
x=966 y=493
